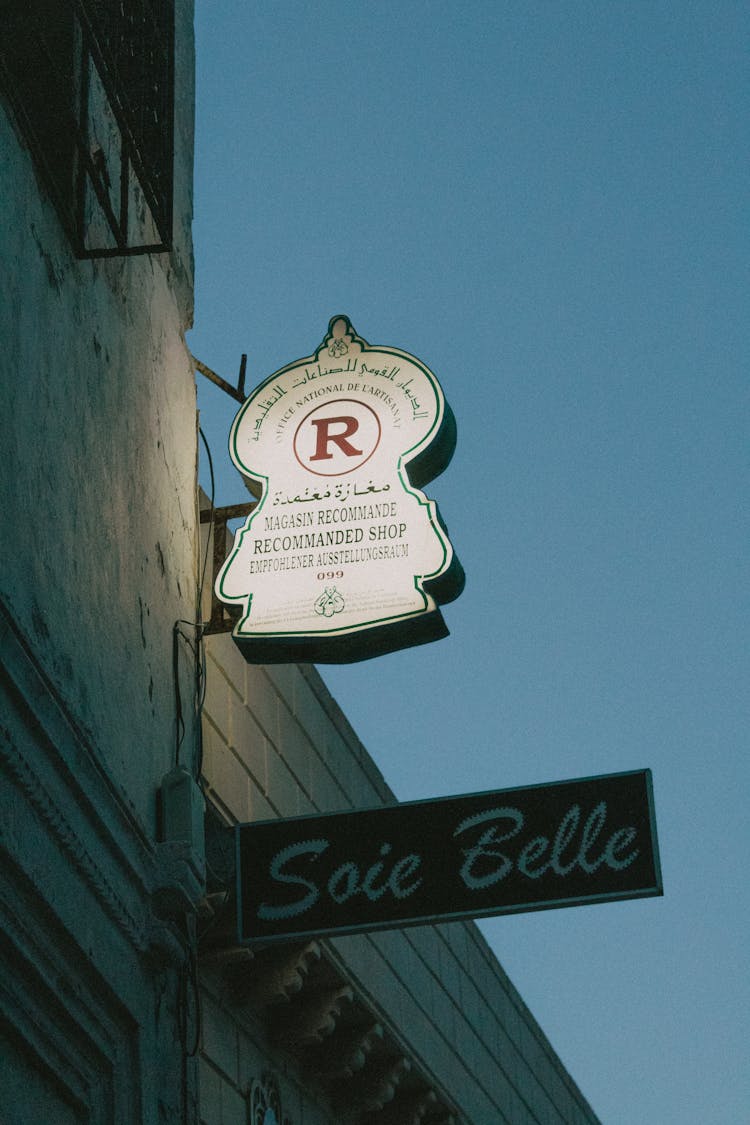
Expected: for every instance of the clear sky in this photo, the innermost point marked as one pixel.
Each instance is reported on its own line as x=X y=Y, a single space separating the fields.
x=547 y=203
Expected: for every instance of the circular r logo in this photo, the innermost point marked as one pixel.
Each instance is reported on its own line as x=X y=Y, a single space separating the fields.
x=337 y=437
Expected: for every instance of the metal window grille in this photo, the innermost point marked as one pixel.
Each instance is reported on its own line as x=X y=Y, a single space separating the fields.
x=91 y=83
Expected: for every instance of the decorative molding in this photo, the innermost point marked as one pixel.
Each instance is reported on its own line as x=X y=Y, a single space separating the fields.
x=65 y=1018
x=409 y=1110
x=54 y=766
x=272 y=977
x=321 y=1019
x=345 y=1052
x=380 y=1082
x=312 y=1019
x=34 y=789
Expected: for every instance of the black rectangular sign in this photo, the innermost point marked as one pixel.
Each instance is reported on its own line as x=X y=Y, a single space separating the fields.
x=564 y=844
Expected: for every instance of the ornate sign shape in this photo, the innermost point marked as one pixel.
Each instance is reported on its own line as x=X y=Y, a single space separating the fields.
x=344 y=557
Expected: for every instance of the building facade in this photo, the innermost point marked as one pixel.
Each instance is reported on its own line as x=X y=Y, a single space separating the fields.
x=98 y=557
x=390 y=1028
x=125 y=998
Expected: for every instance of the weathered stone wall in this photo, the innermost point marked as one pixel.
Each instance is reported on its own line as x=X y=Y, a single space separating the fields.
x=97 y=563
x=99 y=448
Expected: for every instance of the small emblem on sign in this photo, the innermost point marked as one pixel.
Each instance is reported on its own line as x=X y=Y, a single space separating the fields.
x=329 y=602
x=337 y=348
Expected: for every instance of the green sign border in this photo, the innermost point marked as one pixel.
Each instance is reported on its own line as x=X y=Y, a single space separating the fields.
x=416 y=467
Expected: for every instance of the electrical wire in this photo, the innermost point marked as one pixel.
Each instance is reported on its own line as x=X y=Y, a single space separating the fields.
x=188 y=992
x=179 y=721
x=197 y=647
x=212 y=509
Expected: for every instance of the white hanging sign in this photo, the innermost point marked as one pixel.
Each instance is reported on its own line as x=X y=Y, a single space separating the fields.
x=344 y=556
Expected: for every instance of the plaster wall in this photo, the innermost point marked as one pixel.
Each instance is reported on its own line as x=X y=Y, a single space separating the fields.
x=97 y=562
x=97 y=491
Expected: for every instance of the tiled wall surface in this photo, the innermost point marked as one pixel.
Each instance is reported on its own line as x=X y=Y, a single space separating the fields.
x=277 y=744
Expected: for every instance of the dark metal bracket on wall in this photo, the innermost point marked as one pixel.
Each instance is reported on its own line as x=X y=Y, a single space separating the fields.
x=238 y=392
x=223 y=617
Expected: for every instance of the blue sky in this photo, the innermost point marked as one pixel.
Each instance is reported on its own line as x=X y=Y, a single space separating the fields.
x=546 y=203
